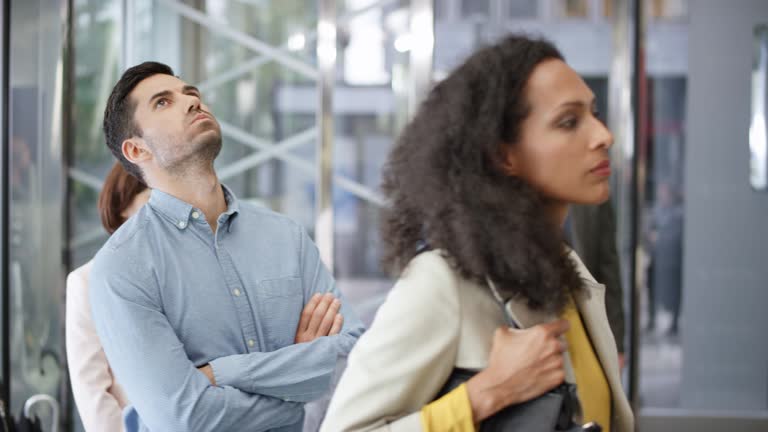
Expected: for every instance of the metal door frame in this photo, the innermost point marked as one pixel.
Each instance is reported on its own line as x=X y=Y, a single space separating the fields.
x=5 y=12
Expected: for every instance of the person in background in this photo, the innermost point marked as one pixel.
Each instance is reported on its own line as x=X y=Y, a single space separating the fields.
x=591 y=231
x=100 y=399
x=479 y=186
x=665 y=281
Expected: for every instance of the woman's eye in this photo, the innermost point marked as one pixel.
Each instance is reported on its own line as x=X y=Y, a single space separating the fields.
x=569 y=122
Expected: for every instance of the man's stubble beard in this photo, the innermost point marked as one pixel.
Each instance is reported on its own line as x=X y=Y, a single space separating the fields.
x=199 y=159
x=209 y=148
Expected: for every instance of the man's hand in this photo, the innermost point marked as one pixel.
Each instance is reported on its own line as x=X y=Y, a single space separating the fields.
x=207 y=370
x=320 y=317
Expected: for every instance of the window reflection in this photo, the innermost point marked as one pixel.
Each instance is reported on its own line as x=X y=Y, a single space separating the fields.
x=36 y=275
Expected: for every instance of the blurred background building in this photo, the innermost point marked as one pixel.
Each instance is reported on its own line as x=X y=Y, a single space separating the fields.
x=311 y=95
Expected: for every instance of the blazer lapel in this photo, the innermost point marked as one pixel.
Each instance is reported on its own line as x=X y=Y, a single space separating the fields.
x=591 y=305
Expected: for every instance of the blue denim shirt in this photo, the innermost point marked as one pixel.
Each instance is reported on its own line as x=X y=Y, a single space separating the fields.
x=169 y=295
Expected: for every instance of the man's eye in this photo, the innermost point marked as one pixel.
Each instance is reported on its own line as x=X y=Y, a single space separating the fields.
x=162 y=102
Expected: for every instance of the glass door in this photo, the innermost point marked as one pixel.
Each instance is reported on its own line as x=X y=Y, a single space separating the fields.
x=702 y=241
x=34 y=288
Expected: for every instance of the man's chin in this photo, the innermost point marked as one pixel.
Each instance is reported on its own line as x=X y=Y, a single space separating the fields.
x=209 y=145
x=212 y=148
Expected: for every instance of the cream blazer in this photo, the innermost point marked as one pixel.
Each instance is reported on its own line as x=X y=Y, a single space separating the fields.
x=99 y=398
x=434 y=321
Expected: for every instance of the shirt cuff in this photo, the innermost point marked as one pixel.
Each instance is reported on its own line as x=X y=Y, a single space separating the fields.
x=226 y=371
x=450 y=413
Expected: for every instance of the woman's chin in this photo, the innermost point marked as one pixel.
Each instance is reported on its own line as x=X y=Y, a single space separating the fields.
x=596 y=197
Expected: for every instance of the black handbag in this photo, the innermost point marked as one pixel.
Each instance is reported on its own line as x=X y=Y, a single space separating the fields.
x=552 y=411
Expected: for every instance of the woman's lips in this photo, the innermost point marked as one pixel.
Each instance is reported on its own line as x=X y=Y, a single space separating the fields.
x=602 y=169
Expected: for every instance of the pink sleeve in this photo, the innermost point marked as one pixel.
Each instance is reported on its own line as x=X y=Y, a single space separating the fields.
x=99 y=398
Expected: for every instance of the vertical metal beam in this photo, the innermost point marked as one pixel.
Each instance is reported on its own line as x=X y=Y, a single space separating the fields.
x=193 y=46
x=640 y=108
x=5 y=286
x=626 y=117
x=621 y=121
x=326 y=62
x=67 y=137
x=497 y=18
x=128 y=34
x=621 y=118
x=422 y=28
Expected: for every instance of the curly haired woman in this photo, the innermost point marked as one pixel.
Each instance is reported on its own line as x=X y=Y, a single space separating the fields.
x=479 y=187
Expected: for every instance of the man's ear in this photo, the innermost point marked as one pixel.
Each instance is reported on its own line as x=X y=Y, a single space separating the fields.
x=135 y=150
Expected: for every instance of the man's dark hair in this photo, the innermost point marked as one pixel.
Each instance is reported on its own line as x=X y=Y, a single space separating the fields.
x=119 y=124
x=446 y=186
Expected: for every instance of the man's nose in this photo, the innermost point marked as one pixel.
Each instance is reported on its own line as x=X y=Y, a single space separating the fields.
x=194 y=103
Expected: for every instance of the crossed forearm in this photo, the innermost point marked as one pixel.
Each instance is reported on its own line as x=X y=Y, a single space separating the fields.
x=299 y=372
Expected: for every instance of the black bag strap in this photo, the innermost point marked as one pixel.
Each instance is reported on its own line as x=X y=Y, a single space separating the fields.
x=502 y=304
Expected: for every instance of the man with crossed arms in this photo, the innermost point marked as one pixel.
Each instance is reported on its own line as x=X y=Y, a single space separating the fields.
x=215 y=314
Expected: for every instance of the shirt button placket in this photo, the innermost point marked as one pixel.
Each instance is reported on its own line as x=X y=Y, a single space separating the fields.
x=240 y=299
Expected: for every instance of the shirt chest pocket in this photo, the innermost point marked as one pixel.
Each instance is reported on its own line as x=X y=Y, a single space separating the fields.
x=279 y=303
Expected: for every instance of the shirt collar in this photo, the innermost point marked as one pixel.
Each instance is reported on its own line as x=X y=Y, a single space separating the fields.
x=233 y=207
x=179 y=212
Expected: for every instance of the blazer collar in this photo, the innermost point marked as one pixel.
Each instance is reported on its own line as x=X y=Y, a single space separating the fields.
x=591 y=305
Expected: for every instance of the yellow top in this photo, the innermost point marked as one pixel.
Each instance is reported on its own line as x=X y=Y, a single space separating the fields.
x=450 y=413
x=453 y=412
x=591 y=384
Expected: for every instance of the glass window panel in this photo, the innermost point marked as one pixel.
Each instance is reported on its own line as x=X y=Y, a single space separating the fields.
x=572 y=8
x=97 y=42
x=523 y=8
x=264 y=98
x=668 y=9
x=697 y=260
x=441 y=9
x=97 y=55
x=661 y=351
x=607 y=8
x=35 y=140
x=367 y=119
x=471 y=8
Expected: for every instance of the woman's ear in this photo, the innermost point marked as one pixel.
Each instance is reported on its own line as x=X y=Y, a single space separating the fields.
x=509 y=160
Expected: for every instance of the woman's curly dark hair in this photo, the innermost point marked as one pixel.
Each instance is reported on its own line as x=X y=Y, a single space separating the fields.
x=446 y=186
